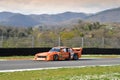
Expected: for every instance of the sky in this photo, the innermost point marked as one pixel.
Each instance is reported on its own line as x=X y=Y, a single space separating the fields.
x=57 y=6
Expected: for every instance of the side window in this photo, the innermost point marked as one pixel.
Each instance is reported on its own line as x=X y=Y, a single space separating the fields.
x=70 y=50
x=64 y=50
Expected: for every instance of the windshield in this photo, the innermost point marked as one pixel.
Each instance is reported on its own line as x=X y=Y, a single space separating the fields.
x=55 y=50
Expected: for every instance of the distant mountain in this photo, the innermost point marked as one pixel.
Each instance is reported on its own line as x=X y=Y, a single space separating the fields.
x=19 y=20
x=5 y=15
x=16 y=19
x=111 y=15
x=58 y=18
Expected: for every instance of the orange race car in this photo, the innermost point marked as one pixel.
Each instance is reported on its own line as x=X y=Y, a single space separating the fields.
x=60 y=53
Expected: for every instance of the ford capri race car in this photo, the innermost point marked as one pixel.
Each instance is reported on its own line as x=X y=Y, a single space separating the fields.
x=59 y=53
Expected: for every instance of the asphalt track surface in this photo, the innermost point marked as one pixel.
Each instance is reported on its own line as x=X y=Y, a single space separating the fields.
x=30 y=64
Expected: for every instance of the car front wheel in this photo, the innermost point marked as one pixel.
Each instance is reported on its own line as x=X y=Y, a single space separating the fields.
x=55 y=58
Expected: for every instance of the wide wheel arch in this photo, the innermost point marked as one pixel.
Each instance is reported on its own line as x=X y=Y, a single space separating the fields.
x=55 y=57
x=75 y=57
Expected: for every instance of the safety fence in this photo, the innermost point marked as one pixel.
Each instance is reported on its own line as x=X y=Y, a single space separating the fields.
x=32 y=42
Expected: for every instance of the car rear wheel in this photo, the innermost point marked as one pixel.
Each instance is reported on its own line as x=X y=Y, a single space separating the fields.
x=75 y=57
x=55 y=58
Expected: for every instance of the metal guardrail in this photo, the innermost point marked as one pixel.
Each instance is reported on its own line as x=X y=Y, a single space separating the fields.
x=33 y=51
x=31 y=42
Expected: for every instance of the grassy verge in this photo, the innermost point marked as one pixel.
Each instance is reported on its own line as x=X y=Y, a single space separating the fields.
x=17 y=58
x=31 y=57
x=84 y=73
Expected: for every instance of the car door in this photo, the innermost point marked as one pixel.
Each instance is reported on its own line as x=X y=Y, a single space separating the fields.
x=65 y=53
x=62 y=53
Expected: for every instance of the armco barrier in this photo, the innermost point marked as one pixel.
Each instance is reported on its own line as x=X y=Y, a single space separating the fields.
x=21 y=51
x=102 y=51
x=33 y=51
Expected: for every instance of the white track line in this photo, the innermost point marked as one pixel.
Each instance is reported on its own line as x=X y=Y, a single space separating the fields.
x=53 y=68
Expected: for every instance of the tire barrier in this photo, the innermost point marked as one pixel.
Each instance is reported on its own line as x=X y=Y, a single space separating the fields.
x=33 y=51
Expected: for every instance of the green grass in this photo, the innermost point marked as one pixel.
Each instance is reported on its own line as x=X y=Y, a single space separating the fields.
x=83 y=56
x=16 y=57
x=84 y=73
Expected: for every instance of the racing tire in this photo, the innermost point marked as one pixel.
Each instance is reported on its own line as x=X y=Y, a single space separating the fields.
x=56 y=57
x=75 y=57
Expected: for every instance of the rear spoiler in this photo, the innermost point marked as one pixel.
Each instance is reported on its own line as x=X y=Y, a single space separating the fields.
x=77 y=49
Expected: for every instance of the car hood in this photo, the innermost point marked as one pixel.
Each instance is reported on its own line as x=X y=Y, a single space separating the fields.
x=44 y=53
